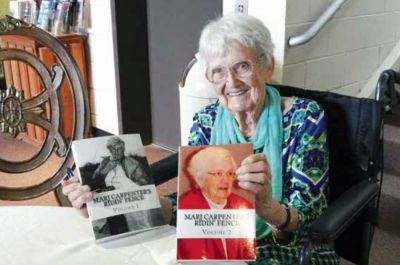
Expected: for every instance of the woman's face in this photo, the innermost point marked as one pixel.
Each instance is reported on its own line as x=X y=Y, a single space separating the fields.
x=239 y=79
x=117 y=151
x=220 y=177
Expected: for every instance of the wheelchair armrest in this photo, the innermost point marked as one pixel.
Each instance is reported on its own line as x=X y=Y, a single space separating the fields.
x=343 y=212
x=165 y=169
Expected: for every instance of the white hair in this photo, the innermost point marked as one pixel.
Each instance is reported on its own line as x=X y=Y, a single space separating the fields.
x=115 y=140
x=197 y=166
x=222 y=34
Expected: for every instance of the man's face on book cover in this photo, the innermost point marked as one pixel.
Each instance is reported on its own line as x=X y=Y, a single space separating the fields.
x=220 y=177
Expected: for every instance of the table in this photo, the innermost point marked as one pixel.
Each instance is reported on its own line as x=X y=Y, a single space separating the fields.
x=41 y=235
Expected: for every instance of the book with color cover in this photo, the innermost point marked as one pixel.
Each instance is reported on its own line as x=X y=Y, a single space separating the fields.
x=125 y=198
x=215 y=217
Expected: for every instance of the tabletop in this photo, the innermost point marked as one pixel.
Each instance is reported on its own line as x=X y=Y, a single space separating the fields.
x=39 y=235
x=44 y=235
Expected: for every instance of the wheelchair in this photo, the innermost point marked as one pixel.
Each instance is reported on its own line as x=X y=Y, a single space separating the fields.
x=355 y=140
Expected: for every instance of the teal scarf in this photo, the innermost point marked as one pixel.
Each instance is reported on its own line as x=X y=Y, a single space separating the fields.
x=268 y=137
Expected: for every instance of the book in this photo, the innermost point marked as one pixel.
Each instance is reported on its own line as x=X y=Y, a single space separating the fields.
x=30 y=13
x=125 y=200
x=61 y=23
x=44 y=16
x=79 y=17
x=47 y=13
x=215 y=217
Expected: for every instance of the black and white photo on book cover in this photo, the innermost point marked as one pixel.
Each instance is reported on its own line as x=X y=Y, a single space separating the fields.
x=125 y=198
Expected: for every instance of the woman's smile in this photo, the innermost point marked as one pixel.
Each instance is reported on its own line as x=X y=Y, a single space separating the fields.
x=237 y=92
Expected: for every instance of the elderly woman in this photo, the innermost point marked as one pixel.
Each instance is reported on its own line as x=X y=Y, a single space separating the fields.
x=288 y=171
x=212 y=171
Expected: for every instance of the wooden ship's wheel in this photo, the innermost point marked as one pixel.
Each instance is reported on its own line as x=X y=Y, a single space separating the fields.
x=16 y=110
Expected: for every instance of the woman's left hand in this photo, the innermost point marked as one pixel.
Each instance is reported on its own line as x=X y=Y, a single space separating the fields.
x=254 y=174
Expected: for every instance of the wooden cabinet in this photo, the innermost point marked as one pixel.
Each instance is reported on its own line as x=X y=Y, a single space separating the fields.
x=25 y=78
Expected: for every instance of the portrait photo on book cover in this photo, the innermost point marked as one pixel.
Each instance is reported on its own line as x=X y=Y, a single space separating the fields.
x=116 y=163
x=207 y=181
x=210 y=171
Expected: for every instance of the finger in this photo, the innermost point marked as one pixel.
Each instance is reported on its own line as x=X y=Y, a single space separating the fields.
x=250 y=186
x=79 y=197
x=255 y=167
x=258 y=178
x=254 y=158
x=70 y=187
x=78 y=192
x=66 y=182
x=80 y=202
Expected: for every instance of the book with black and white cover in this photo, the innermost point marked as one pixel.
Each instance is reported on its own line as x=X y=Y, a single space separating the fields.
x=215 y=217
x=125 y=200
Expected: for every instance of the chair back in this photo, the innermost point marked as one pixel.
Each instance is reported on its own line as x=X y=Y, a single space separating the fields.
x=353 y=132
x=354 y=127
x=19 y=110
x=195 y=92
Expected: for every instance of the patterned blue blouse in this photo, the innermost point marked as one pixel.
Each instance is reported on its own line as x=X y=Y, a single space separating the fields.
x=305 y=176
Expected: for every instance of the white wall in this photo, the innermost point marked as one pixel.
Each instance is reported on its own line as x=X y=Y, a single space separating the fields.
x=103 y=83
x=272 y=13
x=342 y=57
x=345 y=54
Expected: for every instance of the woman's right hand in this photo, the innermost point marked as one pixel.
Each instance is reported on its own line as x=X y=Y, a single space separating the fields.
x=77 y=194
